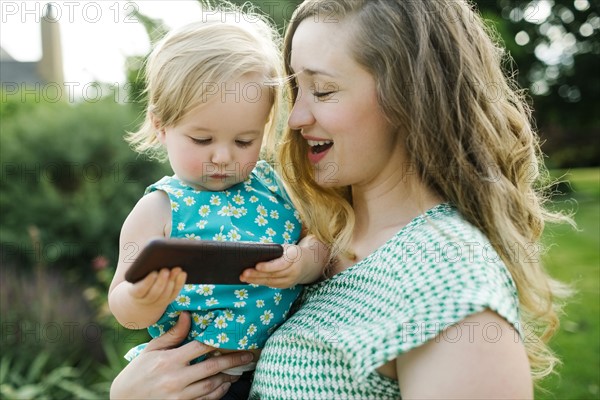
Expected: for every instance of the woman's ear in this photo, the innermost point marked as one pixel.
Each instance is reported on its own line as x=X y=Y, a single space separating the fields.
x=158 y=127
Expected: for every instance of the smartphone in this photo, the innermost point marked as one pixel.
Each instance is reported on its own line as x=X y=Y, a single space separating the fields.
x=205 y=261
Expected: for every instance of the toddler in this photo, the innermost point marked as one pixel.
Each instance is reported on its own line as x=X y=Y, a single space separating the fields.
x=213 y=93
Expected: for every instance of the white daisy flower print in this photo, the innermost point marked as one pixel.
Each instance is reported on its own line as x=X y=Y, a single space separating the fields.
x=243 y=211
x=212 y=302
x=220 y=322
x=238 y=199
x=287 y=206
x=189 y=201
x=205 y=290
x=253 y=199
x=173 y=314
x=241 y=319
x=264 y=239
x=201 y=224
x=270 y=232
x=251 y=330
x=196 y=319
x=178 y=193
x=272 y=188
x=228 y=315
x=205 y=321
x=241 y=294
x=273 y=199
x=289 y=226
x=212 y=343
x=260 y=303
x=261 y=210
x=243 y=343
x=174 y=206
x=192 y=236
x=274 y=214
x=253 y=346
x=239 y=304
x=215 y=200
x=260 y=220
x=286 y=237
x=234 y=235
x=222 y=338
x=188 y=287
x=267 y=317
x=225 y=211
x=183 y=300
x=219 y=237
x=204 y=210
x=236 y=213
x=180 y=226
x=277 y=298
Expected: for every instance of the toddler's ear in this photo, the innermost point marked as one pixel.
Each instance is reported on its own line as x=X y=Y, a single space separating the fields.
x=157 y=124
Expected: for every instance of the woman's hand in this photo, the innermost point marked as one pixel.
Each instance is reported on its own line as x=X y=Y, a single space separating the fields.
x=163 y=370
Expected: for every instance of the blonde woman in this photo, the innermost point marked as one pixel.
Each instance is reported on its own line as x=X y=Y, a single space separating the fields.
x=424 y=186
x=212 y=92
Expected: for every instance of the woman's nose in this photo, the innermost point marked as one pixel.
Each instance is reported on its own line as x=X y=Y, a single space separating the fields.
x=301 y=115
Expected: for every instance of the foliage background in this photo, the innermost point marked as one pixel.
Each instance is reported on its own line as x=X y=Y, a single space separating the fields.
x=69 y=180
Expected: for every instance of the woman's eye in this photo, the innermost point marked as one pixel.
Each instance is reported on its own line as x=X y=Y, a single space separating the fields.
x=321 y=95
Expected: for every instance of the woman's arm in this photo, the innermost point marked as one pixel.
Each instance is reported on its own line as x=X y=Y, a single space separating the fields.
x=482 y=357
x=163 y=371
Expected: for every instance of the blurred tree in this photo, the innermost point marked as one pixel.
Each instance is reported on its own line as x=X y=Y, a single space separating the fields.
x=555 y=45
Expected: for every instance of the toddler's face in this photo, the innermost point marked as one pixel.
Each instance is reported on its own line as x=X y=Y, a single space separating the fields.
x=216 y=144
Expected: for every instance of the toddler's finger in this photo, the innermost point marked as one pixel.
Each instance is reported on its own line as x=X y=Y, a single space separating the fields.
x=141 y=288
x=279 y=264
x=160 y=285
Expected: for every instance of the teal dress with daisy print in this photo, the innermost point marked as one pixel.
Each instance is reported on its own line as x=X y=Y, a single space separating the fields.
x=235 y=317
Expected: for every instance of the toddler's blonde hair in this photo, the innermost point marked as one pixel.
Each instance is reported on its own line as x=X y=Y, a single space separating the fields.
x=187 y=65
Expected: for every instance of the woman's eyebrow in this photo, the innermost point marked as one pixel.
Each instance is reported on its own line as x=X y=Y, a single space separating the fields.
x=310 y=72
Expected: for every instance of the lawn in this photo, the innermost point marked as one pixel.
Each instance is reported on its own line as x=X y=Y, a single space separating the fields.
x=573 y=257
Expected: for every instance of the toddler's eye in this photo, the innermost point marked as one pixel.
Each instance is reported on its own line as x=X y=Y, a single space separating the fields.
x=201 y=141
x=243 y=143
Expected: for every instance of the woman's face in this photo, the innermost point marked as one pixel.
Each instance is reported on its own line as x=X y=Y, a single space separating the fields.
x=350 y=141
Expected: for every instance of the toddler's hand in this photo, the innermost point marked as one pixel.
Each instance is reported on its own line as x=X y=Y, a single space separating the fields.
x=283 y=272
x=159 y=287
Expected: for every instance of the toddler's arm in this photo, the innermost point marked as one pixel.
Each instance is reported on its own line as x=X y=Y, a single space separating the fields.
x=301 y=263
x=141 y=304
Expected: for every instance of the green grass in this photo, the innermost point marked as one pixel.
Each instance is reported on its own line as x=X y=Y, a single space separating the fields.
x=573 y=257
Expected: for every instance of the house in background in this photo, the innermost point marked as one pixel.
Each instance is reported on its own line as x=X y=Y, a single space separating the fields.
x=48 y=70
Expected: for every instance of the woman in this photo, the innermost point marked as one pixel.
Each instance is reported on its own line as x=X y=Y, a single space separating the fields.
x=423 y=183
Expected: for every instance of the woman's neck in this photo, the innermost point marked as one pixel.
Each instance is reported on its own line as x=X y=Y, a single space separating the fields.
x=383 y=208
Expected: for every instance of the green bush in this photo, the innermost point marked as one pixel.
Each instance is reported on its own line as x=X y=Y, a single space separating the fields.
x=68 y=181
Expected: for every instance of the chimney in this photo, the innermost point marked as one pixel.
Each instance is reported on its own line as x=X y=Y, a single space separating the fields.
x=50 y=67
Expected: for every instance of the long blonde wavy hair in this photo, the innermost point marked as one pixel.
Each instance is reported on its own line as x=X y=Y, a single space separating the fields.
x=467 y=130
x=191 y=62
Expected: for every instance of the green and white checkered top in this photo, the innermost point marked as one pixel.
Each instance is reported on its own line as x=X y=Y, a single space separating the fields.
x=436 y=271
